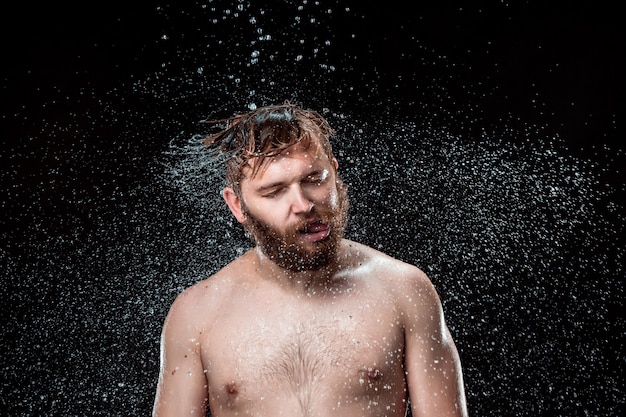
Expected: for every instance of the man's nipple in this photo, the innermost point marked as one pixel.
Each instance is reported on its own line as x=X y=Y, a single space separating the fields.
x=370 y=376
x=231 y=389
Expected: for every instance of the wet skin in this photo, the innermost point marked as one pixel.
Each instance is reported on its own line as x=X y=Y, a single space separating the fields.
x=316 y=353
x=355 y=338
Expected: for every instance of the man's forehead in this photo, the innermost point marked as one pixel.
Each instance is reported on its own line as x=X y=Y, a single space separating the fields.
x=311 y=150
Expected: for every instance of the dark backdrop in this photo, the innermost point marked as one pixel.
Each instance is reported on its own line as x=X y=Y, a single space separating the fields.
x=481 y=142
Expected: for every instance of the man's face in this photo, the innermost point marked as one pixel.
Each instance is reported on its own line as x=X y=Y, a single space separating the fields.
x=296 y=209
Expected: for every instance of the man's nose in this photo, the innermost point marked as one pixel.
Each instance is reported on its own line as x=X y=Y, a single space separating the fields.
x=299 y=201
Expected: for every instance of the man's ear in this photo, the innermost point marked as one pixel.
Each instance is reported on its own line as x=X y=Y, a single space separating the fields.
x=234 y=204
x=335 y=163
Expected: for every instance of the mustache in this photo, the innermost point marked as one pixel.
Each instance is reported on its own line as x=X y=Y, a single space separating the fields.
x=315 y=217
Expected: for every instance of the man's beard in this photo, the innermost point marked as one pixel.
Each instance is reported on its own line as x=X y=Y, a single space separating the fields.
x=284 y=249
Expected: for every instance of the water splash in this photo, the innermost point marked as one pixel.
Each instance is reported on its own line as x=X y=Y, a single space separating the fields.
x=113 y=207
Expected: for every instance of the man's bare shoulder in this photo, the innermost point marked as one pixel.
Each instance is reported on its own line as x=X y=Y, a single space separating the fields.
x=206 y=297
x=371 y=258
x=399 y=277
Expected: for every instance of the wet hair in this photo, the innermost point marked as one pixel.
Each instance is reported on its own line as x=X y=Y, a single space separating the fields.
x=250 y=139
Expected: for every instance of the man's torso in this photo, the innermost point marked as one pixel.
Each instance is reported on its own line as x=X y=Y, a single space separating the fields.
x=334 y=350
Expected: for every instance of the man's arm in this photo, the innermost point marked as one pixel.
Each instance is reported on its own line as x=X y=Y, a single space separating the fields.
x=182 y=387
x=432 y=362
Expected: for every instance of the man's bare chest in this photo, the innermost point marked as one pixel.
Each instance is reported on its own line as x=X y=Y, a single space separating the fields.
x=311 y=350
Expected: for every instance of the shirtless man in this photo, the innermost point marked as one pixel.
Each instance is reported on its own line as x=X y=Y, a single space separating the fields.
x=307 y=323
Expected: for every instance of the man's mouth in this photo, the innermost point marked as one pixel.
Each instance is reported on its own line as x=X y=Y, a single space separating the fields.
x=315 y=231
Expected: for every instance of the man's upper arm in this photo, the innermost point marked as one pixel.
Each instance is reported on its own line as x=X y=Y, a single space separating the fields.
x=432 y=363
x=182 y=386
